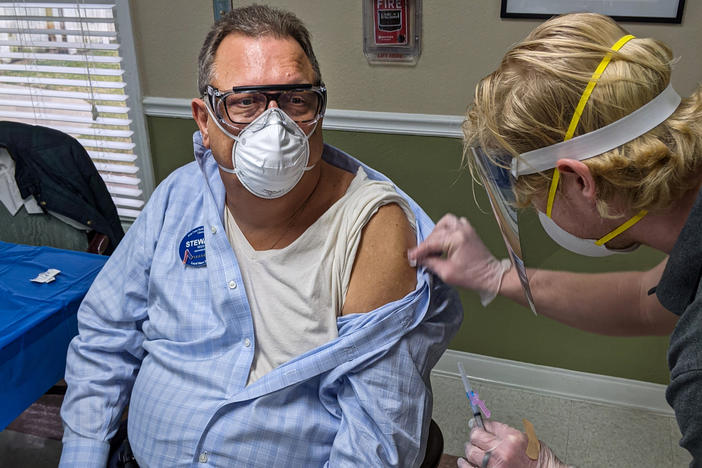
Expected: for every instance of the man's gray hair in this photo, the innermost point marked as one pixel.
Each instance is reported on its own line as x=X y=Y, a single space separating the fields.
x=253 y=21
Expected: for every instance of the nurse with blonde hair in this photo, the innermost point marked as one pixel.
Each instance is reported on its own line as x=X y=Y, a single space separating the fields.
x=580 y=122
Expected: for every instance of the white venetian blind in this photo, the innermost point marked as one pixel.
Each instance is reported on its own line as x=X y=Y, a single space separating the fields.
x=60 y=67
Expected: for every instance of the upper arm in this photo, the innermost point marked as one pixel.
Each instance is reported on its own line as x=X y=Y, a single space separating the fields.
x=381 y=272
x=660 y=320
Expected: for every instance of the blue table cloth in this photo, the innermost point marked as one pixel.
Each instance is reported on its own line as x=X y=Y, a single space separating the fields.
x=37 y=321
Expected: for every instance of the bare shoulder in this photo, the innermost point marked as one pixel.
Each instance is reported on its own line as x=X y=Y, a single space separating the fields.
x=381 y=272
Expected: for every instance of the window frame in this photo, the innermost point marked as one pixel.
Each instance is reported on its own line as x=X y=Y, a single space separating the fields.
x=132 y=89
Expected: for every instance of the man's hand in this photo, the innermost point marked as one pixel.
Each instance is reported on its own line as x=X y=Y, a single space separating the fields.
x=455 y=253
x=507 y=448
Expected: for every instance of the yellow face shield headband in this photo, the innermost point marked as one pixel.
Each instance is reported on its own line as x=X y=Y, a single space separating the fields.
x=571 y=130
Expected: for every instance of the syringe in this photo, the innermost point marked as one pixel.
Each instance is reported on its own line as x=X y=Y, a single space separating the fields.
x=477 y=414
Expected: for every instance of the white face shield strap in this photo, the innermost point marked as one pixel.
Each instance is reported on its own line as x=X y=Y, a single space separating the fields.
x=622 y=131
x=595 y=143
x=599 y=141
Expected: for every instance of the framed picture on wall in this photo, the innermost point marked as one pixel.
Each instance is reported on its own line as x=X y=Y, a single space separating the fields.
x=650 y=11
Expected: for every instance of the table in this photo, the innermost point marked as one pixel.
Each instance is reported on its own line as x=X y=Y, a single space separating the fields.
x=37 y=321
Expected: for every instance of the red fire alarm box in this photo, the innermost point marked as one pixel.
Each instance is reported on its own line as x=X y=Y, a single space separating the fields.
x=391 y=31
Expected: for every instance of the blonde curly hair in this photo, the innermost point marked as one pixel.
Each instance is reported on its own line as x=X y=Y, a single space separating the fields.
x=527 y=103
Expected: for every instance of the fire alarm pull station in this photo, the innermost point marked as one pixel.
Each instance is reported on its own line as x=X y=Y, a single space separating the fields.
x=391 y=31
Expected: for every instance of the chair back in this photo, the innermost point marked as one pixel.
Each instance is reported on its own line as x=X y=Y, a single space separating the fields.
x=435 y=447
x=57 y=172
x=40 y=229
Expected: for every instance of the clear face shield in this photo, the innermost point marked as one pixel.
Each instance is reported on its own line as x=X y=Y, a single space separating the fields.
x=498 y=182
x=524 y=229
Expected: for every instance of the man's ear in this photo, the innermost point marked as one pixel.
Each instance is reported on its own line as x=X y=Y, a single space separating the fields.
x=201 y=117
x=580 y=174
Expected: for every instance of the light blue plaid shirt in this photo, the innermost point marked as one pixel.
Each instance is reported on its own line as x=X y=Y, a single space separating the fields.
x=180 y=341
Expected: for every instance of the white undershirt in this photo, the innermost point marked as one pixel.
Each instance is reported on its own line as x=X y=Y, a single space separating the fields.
x=297 y=292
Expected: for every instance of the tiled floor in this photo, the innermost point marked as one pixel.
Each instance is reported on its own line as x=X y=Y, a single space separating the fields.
x=581 y=433
x=19 y=450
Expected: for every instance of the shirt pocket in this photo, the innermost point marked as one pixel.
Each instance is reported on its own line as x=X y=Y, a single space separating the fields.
x=182 y=317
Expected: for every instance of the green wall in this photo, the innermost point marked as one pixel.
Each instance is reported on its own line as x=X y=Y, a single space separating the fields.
x=427 y=168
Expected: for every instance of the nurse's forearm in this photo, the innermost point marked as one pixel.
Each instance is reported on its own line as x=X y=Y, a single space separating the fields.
x=606 y=303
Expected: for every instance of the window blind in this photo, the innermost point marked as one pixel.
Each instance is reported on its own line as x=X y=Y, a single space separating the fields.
x=61 y=66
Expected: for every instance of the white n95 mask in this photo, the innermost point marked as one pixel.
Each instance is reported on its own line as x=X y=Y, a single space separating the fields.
x=270 y=155
x=568 y=241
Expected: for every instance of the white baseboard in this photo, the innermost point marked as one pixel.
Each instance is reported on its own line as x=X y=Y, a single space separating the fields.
x=339 y=119
x=394 y=122
x=558 y=382
x=167 y=107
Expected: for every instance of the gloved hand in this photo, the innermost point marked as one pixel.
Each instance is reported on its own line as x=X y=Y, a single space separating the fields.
x=457 y=255
x=507 y=447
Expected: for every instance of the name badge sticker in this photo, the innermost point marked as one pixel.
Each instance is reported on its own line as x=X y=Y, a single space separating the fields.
x=192 y=248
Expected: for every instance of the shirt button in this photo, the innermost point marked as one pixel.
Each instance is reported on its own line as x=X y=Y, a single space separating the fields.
x=247 y=342
x=214 y=229
x=232 y=284
x=203 y=457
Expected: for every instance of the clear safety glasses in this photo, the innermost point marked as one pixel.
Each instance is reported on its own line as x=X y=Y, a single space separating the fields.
x=235 y=109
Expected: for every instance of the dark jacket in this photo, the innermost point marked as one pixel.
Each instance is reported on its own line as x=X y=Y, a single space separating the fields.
x=58 y=172
x=680 y=291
